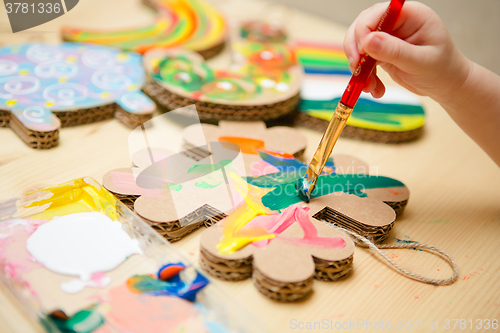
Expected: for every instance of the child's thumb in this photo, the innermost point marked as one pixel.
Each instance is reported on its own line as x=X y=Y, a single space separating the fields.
x=389 y=49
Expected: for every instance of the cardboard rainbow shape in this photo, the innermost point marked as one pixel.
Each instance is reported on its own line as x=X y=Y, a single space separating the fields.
x=179 y=193
x=192 y=24
x=47 y=86
x=262 y=84
x=396 y=117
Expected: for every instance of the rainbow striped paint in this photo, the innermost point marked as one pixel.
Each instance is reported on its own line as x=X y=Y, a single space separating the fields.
x=317 y=58
x=192 y=24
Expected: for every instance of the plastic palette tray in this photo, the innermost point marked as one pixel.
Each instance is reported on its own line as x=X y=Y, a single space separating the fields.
x=216 y=310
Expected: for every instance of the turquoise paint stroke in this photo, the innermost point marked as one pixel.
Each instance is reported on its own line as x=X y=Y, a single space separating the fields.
x=285 y=195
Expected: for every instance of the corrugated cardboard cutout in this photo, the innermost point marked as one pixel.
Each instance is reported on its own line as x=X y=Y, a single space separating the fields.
x=263 y=83
x=284 y=271
x=47 y=86
x=187 y=190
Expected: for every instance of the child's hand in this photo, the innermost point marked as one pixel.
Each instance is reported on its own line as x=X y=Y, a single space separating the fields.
x=420 y=55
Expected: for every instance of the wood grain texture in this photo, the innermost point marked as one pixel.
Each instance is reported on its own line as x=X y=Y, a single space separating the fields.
x=454 y=201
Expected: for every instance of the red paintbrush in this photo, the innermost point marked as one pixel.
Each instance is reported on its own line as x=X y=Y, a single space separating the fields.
x=306 y=184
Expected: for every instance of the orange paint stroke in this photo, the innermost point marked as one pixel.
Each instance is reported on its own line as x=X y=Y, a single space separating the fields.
x=247 y=145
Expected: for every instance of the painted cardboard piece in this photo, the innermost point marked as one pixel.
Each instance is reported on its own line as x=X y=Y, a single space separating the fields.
x=397 y=117
x=262 y=83
x=177 y=193
x=284 y=268
x=370 y=211
x=263 y=31
x=47 y=86
x=191 y=24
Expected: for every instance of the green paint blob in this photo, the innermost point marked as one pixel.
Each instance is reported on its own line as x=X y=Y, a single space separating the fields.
x=275 y=179
x=207 y=168
x=285 y=195
x=174 y=187
x=84 y=321
x=209 y=178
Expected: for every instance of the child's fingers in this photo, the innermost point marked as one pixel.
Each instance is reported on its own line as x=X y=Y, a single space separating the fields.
x=350 y=47
x=367 y=22
x=371 y=83
x=412 y=18
x=379 y=90
x=374 y=85
x=386 y=48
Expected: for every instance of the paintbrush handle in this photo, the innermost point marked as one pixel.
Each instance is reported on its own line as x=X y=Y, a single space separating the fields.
x=366 y=63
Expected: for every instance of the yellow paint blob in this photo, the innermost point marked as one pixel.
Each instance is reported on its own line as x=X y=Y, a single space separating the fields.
x=234 y=238
x=121 y=57
x=11 y=102
x=76 y=196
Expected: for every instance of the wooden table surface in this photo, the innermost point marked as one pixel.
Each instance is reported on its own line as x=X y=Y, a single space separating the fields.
x=454 y=202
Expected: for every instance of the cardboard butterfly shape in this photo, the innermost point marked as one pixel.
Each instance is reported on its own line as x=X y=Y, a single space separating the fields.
x=396 y=117
x=263 y=83
x=191 y=24
x=47 y=86
x=177 y=193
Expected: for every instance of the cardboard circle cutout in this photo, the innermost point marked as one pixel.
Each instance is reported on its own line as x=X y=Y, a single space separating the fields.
x=263 y=84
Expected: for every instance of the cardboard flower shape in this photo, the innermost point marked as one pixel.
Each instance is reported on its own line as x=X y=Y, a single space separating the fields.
x=280 y=241
x=282 y=267
x=47 y=86
x=180 y=192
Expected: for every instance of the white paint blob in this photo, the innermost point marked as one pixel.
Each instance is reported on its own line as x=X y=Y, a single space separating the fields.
x=224 y=85
x=320 y=89
x=83 y=245
x=76 y=285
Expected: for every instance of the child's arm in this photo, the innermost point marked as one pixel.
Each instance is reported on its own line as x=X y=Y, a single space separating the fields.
x=422 y=57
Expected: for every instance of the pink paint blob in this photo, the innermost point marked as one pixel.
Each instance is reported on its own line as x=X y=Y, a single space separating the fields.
x=99 y=279
x=132 y=312
x=278 y=223
x=125 y=182
x=262 y=168
x=33 y=225
x=15 y=259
